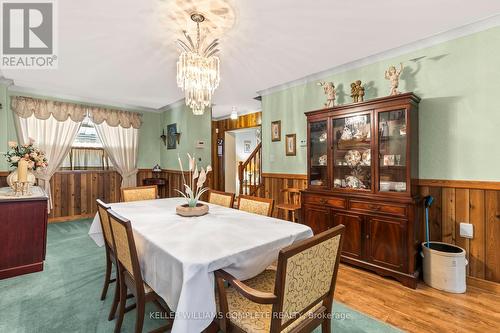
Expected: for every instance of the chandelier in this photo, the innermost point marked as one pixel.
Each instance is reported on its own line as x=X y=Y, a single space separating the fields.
x=198 y=70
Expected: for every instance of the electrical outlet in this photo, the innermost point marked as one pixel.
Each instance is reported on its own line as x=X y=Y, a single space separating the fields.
x=466 y=230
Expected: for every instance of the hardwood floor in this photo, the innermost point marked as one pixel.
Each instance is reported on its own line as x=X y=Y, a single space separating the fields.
x=422 y=310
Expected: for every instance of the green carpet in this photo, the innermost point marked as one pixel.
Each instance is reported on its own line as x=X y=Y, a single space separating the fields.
x=65 y=297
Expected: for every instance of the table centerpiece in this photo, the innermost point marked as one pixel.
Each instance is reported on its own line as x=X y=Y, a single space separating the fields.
x=193 y=190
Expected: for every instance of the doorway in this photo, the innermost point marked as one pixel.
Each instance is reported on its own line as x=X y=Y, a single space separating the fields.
x=239 y=145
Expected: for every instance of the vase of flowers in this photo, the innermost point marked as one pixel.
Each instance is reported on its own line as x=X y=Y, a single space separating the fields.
x=194 y=189
x=24 y=155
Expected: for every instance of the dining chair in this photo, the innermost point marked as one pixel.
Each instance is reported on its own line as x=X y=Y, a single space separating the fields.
x=139 y=193
x=256 y=205
x=220 y=198
x=296 y=297
x=130 y=276
x=102 y=210
x=291 y=205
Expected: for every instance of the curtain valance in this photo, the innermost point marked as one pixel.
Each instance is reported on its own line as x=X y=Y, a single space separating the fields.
x=116 y=118
x=25 y=107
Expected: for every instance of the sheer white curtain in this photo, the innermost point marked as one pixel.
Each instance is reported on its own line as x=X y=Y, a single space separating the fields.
x=121 y=145
x=52 y=136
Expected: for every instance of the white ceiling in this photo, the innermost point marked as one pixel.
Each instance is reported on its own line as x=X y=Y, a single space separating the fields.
x=122 y=51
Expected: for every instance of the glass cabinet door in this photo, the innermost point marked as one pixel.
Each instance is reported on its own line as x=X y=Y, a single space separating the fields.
x=318 y=153
x=392 y=151
x=352 y=152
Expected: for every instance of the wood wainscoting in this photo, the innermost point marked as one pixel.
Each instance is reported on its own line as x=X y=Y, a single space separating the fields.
x=74 y=192
x=475 y=202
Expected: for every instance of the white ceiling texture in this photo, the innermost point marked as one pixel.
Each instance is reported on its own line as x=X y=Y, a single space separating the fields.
x=123 y=52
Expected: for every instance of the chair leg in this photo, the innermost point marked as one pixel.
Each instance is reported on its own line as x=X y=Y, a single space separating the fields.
x=123 y=300
x=139 y=321
x=116 y=300
x=326 y=326
x=107 y=277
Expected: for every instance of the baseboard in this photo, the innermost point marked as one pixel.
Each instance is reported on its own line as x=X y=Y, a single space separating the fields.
x=70 y=218
x=485 y=285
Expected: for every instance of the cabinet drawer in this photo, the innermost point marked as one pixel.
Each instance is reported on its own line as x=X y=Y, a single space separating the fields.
x=375 y=207
x=324 y=200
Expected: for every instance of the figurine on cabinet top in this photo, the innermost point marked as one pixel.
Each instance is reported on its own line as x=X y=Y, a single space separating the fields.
x=393 y=74
x=360 y=91
x=330 y=92
x=357 y=91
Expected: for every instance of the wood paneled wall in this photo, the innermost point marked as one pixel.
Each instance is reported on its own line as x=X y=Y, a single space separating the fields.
x=74 y=193
x=174 y=178
x=219 y=128
x=472 y=202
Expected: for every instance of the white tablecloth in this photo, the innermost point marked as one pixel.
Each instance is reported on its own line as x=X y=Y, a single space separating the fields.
x=178 y=255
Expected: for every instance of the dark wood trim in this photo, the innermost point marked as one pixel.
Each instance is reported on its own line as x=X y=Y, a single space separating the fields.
x=70 y=218
x=284 y=175
x=471 y=184
x=20 y=270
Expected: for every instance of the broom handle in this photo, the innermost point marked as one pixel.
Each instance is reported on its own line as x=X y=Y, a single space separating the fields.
x=427 y=226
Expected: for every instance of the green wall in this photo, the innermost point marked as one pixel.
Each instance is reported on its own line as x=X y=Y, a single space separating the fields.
x=192 y=129
x=459 y=124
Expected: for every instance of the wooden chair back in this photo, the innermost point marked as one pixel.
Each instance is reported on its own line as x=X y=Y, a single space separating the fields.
x=139 y=193
x=291 y=196
x=125 y=250
x=220 y=198
x=102 y=210
x=305 y=279
x=256 y=205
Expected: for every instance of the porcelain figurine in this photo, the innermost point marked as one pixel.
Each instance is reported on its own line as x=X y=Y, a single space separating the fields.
x=330 y=92
x=393 y=74
x=360 y=91
x=346 y=134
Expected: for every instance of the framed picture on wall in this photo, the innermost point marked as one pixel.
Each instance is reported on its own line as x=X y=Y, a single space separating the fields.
x=290 y=145
x=172 y=136
x=276 y=130
x=247 y=146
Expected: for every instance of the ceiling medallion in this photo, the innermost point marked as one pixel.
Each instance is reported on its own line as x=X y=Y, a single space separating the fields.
x=198 y=69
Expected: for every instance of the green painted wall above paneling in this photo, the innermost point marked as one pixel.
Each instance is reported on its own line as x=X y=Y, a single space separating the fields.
x=459 y=113
x=192 y=129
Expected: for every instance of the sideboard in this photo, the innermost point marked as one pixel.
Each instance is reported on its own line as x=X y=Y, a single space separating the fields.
x=23 y=232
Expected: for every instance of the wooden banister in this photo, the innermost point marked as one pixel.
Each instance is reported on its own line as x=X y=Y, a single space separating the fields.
x=250 y=173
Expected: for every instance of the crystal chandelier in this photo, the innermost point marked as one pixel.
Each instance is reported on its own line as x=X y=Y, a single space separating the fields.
x=198 y=70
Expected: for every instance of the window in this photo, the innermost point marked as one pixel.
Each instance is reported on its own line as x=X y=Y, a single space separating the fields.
x=87 y=152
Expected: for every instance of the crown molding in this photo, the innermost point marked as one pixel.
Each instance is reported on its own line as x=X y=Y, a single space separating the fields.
x=13 y=90
x=5 y=82
x=173 y=105
x=465 y=30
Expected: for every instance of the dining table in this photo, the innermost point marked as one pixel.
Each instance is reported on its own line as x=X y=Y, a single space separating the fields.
x=179 y=255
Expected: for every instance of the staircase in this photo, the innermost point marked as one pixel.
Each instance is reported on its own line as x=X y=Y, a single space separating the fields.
x=250 y=175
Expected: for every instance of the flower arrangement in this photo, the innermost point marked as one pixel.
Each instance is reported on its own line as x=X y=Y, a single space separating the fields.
x=35 y=157
x=196 y=178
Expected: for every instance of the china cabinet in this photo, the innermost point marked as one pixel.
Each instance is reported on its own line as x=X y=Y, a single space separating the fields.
x=362 y=158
